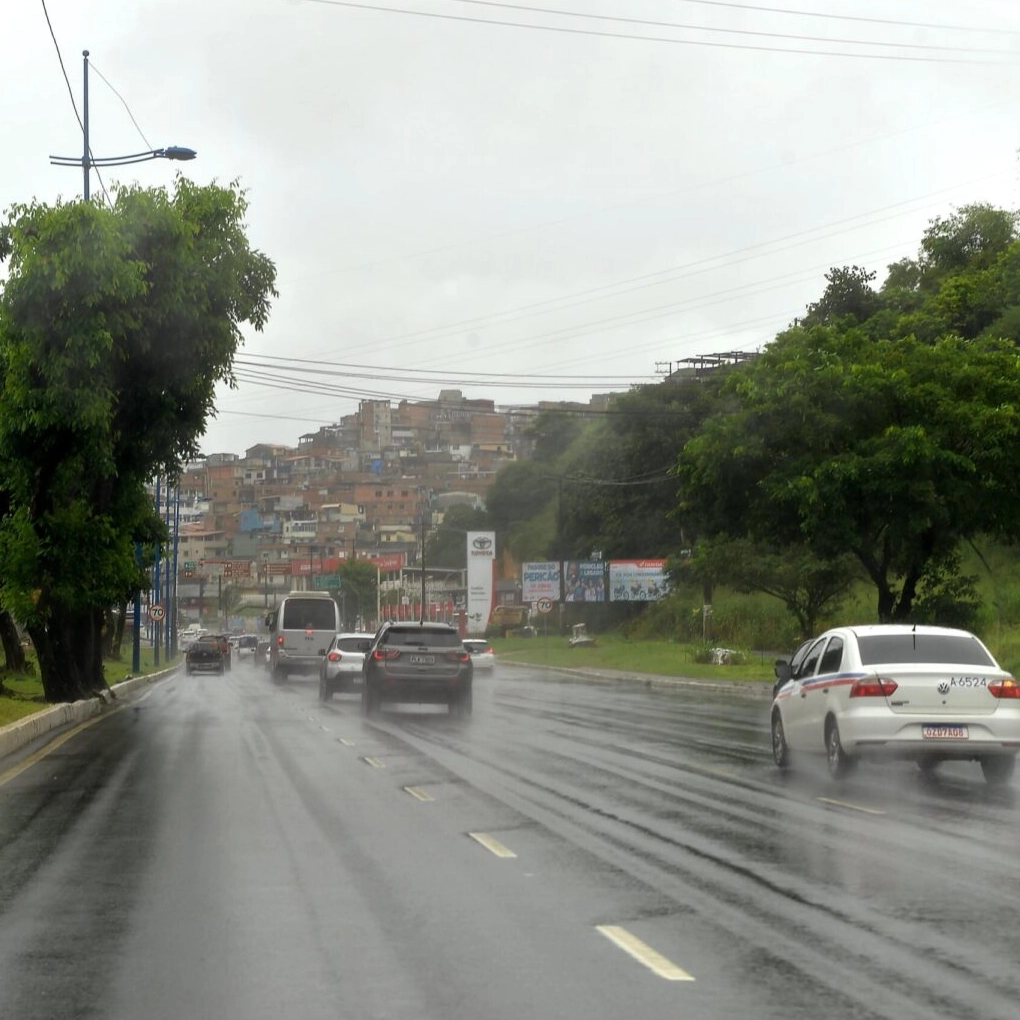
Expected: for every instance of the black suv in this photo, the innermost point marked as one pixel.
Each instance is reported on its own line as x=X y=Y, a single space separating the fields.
x=419 y=662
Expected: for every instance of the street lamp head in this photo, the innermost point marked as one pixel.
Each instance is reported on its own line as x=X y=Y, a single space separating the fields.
x=177 y=152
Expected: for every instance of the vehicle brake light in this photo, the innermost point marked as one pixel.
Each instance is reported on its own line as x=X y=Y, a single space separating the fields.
x=1007 y=688
x=873 y=687
x=279 y=641
x=333 y=656
x=458 y=656
x=385 y=653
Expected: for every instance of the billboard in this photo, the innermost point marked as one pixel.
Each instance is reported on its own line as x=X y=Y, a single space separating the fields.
x=540 y=581
x=637 y=580
x=584 y=581
x=481 y=572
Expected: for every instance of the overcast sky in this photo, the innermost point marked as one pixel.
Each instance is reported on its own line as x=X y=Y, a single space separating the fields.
x=525 y=213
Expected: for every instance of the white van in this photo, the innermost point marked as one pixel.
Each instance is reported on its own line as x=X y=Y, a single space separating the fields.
x=300 y=630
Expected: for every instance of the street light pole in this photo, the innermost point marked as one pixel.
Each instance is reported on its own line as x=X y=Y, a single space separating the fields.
x=87 y=162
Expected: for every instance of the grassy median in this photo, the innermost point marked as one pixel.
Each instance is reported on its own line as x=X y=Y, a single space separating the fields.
x=612 y=652
x=22 y=695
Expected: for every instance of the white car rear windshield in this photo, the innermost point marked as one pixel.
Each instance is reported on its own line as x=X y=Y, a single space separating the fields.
x=941 y=648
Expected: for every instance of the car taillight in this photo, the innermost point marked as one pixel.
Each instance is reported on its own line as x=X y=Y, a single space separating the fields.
x=385 y=653
x=873 y=687
x=1007 y=688
x=458 y=656
x=279 y=641
x=333 y=656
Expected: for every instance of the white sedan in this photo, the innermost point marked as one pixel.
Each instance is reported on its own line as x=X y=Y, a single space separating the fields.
x=482 y=655
x=927 y=694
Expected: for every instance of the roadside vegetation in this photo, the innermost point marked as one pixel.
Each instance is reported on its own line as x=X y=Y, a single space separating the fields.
x=116 y=325
x=22 y=694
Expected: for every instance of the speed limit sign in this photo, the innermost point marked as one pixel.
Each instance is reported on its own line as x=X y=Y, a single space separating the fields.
x=156 y=612
x=545 y=605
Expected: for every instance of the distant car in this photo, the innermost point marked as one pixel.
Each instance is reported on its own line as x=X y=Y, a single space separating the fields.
x=417 y=662
x=926 y=694
x=246 y=645
x=205 y=655
x=340 y=669
x=482 y=655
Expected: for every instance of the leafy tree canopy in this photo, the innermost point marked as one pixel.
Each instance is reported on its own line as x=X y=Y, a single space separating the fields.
x=116 y=324
x=892 y=451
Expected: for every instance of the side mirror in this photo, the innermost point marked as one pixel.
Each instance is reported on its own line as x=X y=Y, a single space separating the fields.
x=783 y=671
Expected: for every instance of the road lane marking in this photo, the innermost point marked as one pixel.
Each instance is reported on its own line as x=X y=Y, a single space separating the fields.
x=418 y=794
x=492 y=845
x=374 y=762
x=32 y=759
x=643 y=953
x=850 y=807
x=345 y=741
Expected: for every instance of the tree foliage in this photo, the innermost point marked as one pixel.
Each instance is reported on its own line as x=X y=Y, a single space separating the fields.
x=894 y=438
x=447 y=546
x=116 y=324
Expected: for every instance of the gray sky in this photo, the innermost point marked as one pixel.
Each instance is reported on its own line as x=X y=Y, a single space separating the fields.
x=522 y=213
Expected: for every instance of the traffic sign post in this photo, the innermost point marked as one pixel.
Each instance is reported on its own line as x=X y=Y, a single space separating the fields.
x=156 y=612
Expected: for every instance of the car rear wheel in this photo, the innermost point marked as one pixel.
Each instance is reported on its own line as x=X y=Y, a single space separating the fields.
x=780 y=749
x=325 y=691
x=998 y=769
x=840 y=763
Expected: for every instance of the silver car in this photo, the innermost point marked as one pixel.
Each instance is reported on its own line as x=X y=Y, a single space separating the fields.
x=340 y=668
x=926 y=694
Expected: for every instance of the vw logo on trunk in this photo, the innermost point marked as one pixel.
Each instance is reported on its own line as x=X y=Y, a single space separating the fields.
x=943 y=687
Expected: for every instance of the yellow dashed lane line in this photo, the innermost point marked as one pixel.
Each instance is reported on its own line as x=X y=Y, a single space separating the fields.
x=643 y=953
x=492 y=845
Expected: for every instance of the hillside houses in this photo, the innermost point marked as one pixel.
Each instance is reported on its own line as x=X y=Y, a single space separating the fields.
x=362 y=487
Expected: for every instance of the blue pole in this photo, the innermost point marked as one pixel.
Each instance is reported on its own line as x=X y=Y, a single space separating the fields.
x=156 y=587
x=172 y=619
x=136 y=640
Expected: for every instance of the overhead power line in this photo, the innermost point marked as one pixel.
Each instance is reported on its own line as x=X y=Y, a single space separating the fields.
x=885 y=44
x=860 y=19
x=670 y=40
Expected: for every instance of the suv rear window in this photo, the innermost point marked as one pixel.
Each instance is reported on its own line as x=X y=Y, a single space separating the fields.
x=351 y=644
x=888 y=648
x=309 y=614
x=422 y=636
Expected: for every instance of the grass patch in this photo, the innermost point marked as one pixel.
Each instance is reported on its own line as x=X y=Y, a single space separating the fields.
x=613 y=652
x=22 y=695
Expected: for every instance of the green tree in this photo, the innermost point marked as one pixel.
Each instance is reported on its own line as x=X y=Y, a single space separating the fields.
x=521 y=508
x=358 y=580
x=808 y=586
x=892 y=451
x=618 y=486
x=116 y=324
x=447 y=546
x=848 y=294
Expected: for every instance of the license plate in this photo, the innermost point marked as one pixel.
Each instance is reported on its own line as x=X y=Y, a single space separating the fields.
x=933 y=731
x=422 y=660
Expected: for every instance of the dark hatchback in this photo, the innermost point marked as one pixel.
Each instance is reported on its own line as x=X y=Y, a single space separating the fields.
x=417 y=662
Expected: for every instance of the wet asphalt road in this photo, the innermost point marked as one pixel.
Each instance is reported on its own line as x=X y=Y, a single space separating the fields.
x=224 y=847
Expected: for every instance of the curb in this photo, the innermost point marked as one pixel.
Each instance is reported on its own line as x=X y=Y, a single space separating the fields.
x=16 y=735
